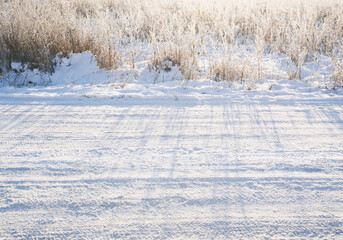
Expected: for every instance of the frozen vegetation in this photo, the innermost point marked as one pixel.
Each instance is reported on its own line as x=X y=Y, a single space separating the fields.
x=219 y=40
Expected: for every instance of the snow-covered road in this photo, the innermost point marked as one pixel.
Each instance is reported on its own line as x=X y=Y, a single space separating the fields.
x=224 y=170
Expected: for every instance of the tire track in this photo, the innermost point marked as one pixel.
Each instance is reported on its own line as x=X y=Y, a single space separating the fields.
x=226 y=171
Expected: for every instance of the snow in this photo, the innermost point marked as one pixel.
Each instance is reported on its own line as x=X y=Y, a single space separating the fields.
x=78 y=76
x=101 y=154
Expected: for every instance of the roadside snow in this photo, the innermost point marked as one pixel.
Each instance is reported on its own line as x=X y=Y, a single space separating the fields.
x=79 y=77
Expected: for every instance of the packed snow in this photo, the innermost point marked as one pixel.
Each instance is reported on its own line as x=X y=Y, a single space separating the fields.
x=135 y=154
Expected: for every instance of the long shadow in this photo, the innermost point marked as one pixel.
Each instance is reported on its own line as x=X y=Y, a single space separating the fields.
x=231 y=118
x=21 y=116
x=180 y=129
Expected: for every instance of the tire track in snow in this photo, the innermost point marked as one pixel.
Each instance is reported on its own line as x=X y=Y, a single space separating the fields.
x=203 y=171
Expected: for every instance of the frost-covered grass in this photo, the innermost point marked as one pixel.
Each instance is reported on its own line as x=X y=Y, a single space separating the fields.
x=203 y=39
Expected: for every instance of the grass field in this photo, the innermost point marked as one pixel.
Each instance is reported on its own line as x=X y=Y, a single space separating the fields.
x=223 y=40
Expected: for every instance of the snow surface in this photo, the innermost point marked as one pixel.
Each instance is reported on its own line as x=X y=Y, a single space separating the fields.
x=99 y=154
x=78 y=76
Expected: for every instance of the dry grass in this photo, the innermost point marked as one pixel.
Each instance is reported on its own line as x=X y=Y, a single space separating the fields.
x=337 y=75
x=226 y=70
x=233 y=71
x=166 y=56
x=33 y=32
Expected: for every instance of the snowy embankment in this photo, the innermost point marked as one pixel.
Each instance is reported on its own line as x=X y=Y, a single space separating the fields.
x=91 y=156
x=79 y=77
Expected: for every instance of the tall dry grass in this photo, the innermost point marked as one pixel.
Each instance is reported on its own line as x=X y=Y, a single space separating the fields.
x=33 y=32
